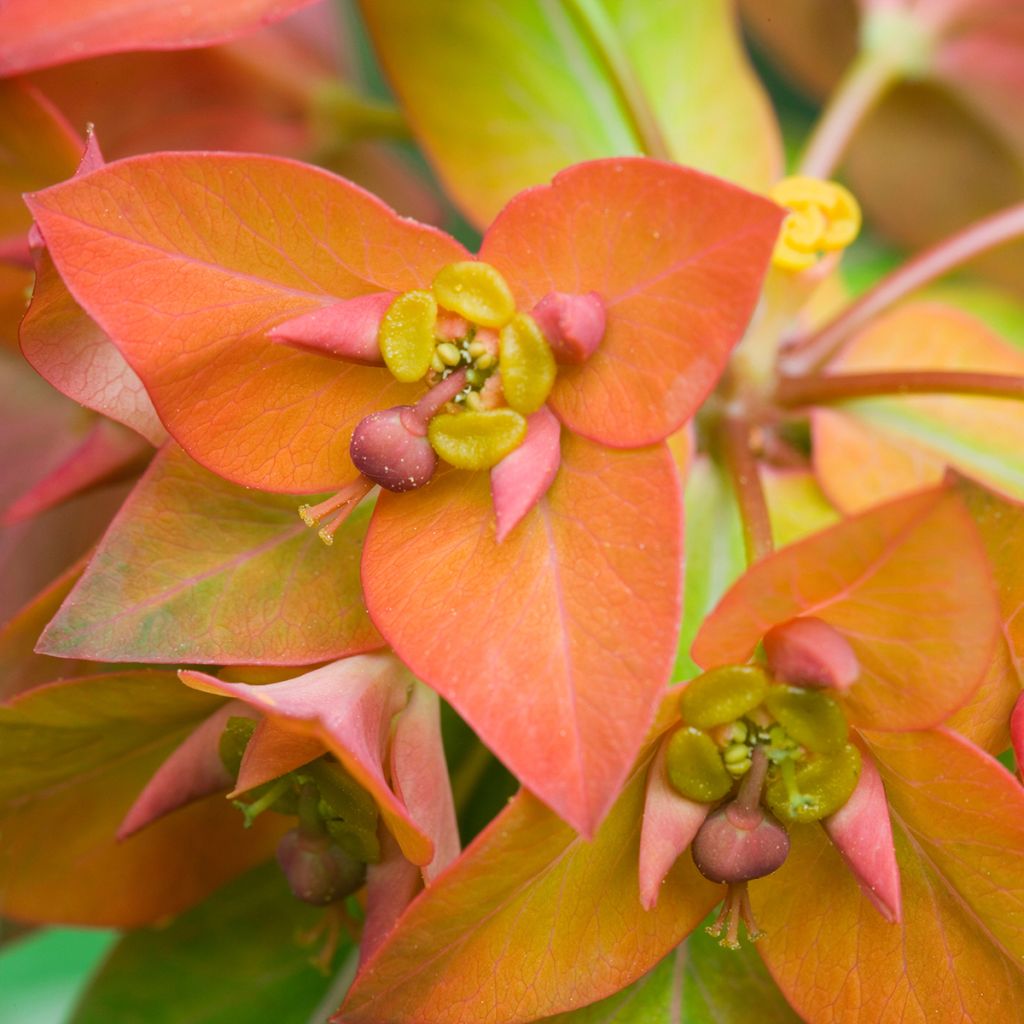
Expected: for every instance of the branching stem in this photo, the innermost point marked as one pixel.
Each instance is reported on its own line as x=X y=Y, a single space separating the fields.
x=793 y=392
x=812 y=351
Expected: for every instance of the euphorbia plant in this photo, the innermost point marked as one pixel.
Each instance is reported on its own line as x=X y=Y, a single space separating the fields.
x=380 y=452
x=658 y=285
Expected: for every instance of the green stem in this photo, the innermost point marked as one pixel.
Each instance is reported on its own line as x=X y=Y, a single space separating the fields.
x=746 y=480
x=468 y=774
x=257 y=807
x=793 y=392
x=604 y=38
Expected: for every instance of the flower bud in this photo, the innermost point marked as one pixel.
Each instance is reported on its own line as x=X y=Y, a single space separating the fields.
x=384 y=449
x=317 y=871
x=736 y=845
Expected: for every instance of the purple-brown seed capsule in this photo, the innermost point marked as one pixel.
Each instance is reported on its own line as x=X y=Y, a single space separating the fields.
x=384 y=449
x=736 y=845
x=318 y=872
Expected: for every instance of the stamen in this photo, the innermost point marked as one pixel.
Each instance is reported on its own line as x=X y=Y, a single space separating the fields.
x=326 y=533
x=346 y=500
x=735 y=908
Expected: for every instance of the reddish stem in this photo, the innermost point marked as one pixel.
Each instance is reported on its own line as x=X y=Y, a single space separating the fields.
x=866 y=81
x=746 y=480
x=792 y=392
x=811 y=351
x=416 y=418
x=747 y=805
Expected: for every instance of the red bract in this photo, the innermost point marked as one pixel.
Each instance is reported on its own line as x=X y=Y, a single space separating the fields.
x=547 y=916
x=39 y=36
x=190 y=262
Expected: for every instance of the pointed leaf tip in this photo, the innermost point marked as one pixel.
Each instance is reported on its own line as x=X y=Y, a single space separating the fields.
x=523 y=477
x=862 y=832
x=563 y=715
x=192 y=771
x=346 y=330
x=669 y=824
x=809 y=652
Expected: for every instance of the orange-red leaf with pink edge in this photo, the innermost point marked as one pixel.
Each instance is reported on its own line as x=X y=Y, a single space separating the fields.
x=197 y=570
x=676 y=256
x=40 y=35
x=985 y=719
x=530 y=921
x=73 y=353
x=108 y=453
x=76 y=755
x=1000 y=524
x=348 y=706
x=189 y=299
x=538 y=641
x=907 y=584
x=958 y=820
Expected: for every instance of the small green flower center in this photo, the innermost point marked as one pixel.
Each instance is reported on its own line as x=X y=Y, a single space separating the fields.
x=731 y=711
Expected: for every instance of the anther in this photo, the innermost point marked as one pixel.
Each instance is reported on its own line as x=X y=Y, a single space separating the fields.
x=735 y=908
x=342 y=503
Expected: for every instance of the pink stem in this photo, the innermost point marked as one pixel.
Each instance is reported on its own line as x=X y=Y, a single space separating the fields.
x=742 y=466
x=822 y=390
x=812 y=351
x=417 y=418
x=863 y=85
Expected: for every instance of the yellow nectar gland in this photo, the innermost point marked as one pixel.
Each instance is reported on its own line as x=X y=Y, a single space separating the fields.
x=824 y=217
x=730 y=712
x=467 y=323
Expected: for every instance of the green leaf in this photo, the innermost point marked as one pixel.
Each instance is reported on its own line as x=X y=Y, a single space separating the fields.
x=196 y=569
x=700 y=983
x=714 y=553
x=502 y=96
x=238 y=957
x=73 y=758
